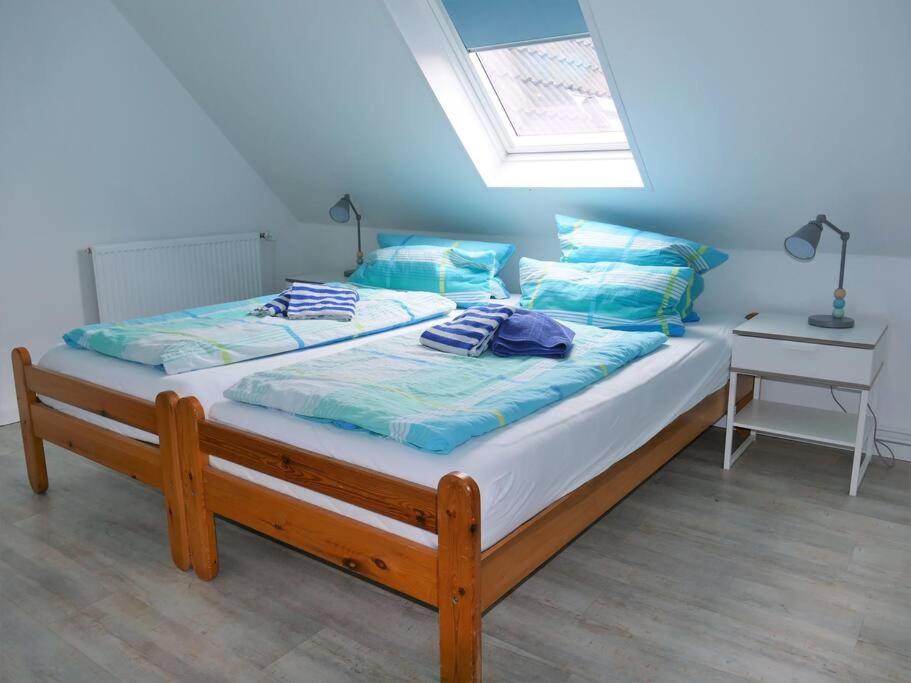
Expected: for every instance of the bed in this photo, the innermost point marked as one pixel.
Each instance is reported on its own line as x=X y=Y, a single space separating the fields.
x=122 y=414
x=459 y=531
x=403 y=518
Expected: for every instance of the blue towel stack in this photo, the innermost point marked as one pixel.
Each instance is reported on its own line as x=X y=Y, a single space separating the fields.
x=305 y=301
x=468 y=334
x=528 y=333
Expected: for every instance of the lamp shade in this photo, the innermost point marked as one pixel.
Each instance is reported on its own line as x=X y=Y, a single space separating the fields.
x=802 y=244
x=341 y=210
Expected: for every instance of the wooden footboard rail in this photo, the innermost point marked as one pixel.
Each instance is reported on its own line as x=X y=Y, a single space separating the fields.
x=156 y=466
x=456 y=578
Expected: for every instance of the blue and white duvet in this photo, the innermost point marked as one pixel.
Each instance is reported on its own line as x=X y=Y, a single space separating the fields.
x=222 y=334
x=435 y=401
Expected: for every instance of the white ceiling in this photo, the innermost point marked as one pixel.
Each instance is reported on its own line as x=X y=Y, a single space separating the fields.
x=751 y=117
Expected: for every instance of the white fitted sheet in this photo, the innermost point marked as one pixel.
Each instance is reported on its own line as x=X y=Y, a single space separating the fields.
x=520 y=469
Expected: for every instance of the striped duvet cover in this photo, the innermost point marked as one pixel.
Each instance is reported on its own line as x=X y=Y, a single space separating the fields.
x=434 y=401
x=222 y=334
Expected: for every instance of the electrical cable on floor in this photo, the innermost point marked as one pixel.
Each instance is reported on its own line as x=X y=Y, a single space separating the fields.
x=877 y=442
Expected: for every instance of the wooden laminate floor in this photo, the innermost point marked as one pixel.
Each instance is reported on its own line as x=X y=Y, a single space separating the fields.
x=769 y=573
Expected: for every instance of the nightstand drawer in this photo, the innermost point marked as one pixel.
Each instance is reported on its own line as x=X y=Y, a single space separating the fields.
x=827 y=363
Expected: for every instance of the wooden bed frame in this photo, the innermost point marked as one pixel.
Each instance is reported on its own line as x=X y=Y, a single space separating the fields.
x=156 y=466
x=457 y=578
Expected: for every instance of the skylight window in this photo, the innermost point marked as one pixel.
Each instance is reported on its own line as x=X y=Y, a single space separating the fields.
x=526 y=88
x=553 y=89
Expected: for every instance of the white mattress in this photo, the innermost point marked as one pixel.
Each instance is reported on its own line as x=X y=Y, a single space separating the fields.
x=520 y=469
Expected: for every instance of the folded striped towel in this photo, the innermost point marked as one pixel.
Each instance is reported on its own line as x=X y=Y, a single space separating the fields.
x=469 y=333
x=309 y=301
x=277 y=307
x=306 y=301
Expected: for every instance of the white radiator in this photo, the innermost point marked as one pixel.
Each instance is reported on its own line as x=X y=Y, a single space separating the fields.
x=137 y=279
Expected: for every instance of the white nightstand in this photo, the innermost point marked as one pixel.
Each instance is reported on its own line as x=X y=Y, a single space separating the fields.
x=315 y=278
x=786 y=347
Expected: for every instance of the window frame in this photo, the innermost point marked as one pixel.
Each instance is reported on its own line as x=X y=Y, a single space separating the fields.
x=502 y=158
x=523 y=144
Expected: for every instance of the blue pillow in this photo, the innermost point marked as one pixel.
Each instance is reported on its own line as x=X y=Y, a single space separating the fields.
x=584 y=241
x=620 y=296
x=502 y=250
x=458 y=274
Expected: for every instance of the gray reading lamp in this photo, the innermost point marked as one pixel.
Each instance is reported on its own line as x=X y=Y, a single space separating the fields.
x=802 y=246
x=341 y=213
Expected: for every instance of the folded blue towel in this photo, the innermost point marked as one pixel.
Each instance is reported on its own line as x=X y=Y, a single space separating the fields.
x=468 y=334
x=529 y=333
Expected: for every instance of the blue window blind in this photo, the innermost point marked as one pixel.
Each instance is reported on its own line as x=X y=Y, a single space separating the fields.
x=495 y=23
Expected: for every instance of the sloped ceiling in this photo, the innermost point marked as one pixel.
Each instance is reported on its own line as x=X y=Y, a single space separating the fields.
x=751 y=117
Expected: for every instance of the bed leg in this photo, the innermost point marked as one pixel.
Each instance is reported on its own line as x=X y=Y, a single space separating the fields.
x=32 y=446
x=166 y=414
x=458 y=578
x=200 y=521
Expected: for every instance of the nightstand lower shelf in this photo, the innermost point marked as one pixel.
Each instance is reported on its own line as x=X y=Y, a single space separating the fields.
x=799 y=422
x=829 y=427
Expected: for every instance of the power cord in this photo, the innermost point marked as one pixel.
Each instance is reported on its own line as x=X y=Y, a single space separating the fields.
x=877 y=442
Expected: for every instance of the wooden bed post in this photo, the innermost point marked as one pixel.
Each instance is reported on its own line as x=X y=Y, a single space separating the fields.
x=458 y=578
x=171 y=484
x=200 y=521
x=33 y=447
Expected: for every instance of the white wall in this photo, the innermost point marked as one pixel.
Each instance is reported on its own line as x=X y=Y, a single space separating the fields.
x=751 y=117
x=751 y=280
x=98 y=143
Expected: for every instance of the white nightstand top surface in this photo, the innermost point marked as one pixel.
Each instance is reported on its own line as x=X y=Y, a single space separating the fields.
x=316 y=277
x=865 y=334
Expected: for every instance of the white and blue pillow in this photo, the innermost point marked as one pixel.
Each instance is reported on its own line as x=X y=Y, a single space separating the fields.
x=583 y=241
x=465 y=277
x=614 y=295
x=502 y=250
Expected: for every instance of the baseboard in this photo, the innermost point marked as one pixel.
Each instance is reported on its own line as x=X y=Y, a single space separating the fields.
x=899 y=442
x=9 y=416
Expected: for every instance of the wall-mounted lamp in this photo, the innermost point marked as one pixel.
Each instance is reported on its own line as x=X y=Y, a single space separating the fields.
x=802 y=246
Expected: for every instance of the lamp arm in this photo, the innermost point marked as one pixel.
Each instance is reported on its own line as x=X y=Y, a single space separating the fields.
x=357 y=217
x=845 y=236
x=822 y=220
x=360 y=251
